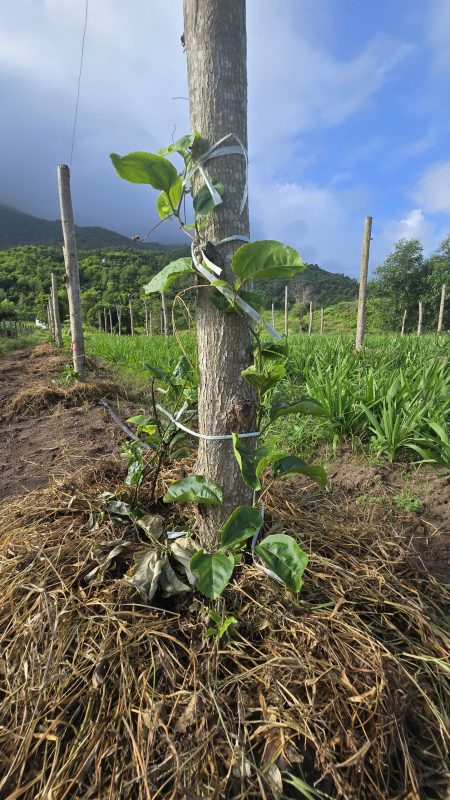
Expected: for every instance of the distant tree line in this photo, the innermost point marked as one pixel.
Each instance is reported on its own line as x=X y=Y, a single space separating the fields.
x=405 y=277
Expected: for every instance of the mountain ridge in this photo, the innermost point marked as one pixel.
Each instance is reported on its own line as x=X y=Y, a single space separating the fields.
x=18 y=228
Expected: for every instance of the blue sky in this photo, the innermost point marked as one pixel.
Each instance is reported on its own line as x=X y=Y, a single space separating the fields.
x=348 y=115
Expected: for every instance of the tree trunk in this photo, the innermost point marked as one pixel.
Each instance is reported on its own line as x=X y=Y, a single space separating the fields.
x=403 y=323
x=164 y=314
x=131 y=317
x=419 y=323
x=72 y=273
x=362 y=299
x=216 y=47
x=55 y=311
x=441 y=310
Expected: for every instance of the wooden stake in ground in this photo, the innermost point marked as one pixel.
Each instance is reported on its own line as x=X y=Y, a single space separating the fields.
x=273 y=317
x=110 y=320
x=321 y=320
x=150 y=322
x=130 y=306
x=419 y=323
x=310 y=318
x=119 y=319
x=51 y=326
x=55 y=310
x=286 y=324
x=362 y=299
x=216 y=48
x=402 y=333
x=440 y=324
x=164 y=314
x=73 y=277
x=146 y=315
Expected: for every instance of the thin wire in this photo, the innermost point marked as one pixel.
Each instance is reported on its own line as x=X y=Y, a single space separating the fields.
x=79 y=84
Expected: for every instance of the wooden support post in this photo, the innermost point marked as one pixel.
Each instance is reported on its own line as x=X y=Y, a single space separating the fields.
x=55 y=311
x=72 y=273
x=440 y=324
x=150 y=322
x=164 y=314
x=419 y=323
x=310 y=318
x=286 y=326
x=119 y=319
x=105 y=320
x=110 y=320
x=362 y=299
x=321 y=320
x=146 y=316
x=51 y=324
x=130 y=306
x=273 y=316
x=402 y=333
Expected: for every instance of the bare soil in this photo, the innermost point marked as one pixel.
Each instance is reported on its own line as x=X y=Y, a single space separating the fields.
x=47 y=431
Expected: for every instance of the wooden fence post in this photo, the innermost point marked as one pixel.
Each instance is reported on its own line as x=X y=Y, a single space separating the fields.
x=310 y=318
x=119 y=319
x=55 y=310
x=362 y=298
x=131 y=317
x=150 y=322
x=286 y=310
x=273 y=316
x=419 y=324
x=51 y=323
x=110 y=320
x=146 y=315
x=321 y=320
x=403 y=323
x=441 y=310
x=164 y=313
x=72 y=273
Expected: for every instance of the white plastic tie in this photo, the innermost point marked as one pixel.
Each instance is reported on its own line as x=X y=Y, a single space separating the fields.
x=215 y=151
x=207 y=436
x=229 y=294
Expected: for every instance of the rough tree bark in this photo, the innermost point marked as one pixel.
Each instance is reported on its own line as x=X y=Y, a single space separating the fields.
x=362 y=299
x=440 y=324
x=216 y=47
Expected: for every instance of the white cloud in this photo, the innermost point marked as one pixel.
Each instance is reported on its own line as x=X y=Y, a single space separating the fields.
x=433 y=190
x=414 y=225
x=439 y=34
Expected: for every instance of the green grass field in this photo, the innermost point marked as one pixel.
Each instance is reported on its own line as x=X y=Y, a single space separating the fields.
x=392 y=399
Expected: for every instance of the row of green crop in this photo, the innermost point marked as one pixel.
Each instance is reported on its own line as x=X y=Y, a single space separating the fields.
x=393 y=397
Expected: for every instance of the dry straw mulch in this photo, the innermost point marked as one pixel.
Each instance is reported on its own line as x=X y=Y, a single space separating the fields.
x=344 y=687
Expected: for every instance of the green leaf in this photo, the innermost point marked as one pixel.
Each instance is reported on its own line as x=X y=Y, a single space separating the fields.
x=164 y=279
x=148 y=168
x=242 y=524
x=284 y=557
x=266 y=259
x=140 y=420
x=263 y=381
x=274 y=350
x=214 y=571
x=222 y=303
x=304 y=405
x=288 y=465
x=252 y=462
x=203 y=202
x=180 y=146
x=253 y=299
x=167 y=204
x=159 y=373
x=194 y=489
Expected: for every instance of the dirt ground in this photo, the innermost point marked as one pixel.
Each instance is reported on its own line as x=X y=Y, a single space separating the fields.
x=43 y=433
x=48 y=432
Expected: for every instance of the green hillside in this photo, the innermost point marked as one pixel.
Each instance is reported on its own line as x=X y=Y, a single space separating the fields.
x=18 y=228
